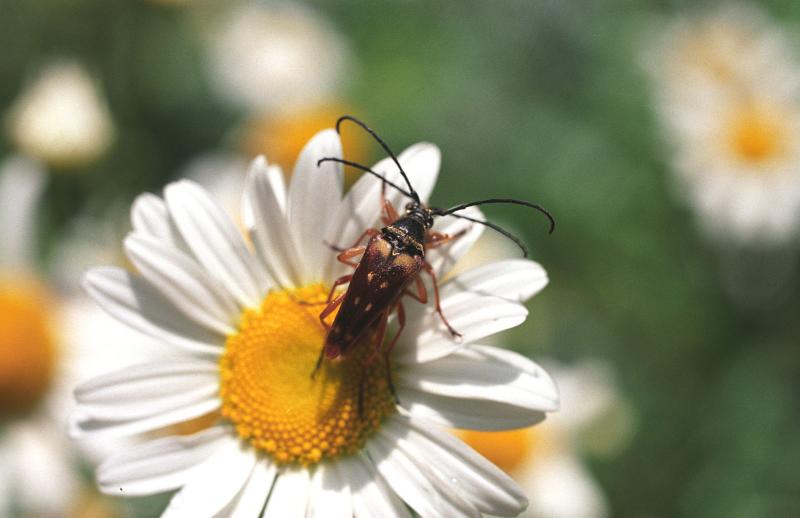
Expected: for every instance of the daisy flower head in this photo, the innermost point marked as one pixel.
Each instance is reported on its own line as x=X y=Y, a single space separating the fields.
x=728 y=94
x=242 y=314
x=61 y=117
x=272 y=57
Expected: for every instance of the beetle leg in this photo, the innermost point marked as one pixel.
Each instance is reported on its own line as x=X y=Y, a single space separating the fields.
x=422 y=293
x=329 y=309
x=437 y=239
x=389 y=213
x=429 y=269
x=346 y=256
x=325 y=312
x=344 y=279
x=369 y=232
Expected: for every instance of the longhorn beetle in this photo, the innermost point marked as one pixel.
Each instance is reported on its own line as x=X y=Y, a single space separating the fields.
x=390 y=262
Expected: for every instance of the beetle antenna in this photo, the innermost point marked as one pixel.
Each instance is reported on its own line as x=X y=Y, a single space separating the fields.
x=541 y=209
x=411 y=192
x=366 y=170
x=498 y=228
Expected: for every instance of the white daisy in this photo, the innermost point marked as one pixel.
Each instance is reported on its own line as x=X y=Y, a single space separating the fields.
x=48 y=342
x=61 y=117
x=728 y=88
x=237 y=312
x=546 y=460
x=279 y=56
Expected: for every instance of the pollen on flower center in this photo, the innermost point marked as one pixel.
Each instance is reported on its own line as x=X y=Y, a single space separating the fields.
x=269 y=395
x=756 y=135
x=27 y=348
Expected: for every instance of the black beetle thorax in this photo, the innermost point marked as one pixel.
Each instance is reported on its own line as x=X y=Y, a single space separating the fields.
x=407 y=234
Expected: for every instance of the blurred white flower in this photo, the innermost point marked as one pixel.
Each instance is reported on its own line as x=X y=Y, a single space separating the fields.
x=545 y=460
x=728 y=93
x=61 y=118
x=280 y=56
x=47 y=342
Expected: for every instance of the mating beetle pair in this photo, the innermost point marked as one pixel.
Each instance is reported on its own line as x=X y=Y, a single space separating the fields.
x=390 y=263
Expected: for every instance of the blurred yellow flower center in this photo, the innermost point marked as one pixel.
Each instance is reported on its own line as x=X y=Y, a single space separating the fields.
x=508 y=450
x=27 y=347
x=268 y=392
x=756 y=134
x=282 y=137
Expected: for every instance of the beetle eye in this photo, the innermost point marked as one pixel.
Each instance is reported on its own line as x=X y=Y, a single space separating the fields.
x=409 y=206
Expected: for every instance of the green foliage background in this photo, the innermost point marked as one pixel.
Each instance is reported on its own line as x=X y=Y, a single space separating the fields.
x=543 y=100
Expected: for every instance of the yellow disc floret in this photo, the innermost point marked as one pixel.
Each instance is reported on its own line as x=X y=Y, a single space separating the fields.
x=270 y=396
x=27 y=347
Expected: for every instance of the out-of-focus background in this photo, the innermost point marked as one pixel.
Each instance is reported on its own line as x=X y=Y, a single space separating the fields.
x=663 y=136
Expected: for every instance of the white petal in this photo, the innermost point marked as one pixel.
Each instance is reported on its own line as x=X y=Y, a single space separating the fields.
x=361 y=207
x=494 y=375
x=371 y=495
x=21 y=184
x=358 y=211
x=421 y=163
x=159 y=465
x=472 y=414
x=271 y=236
x=330 y=493
x=588 y=393
x=409 y=479
x=254 y=495
x=475 y=316
x=560 y=486
x=184 y=283
x=314 y=195
x=458 y=466
x=39 y=451
x=215 y=483
x=215 y=241
x=134 y=302
x=83 y=425
x=446 y=256
x=289 y=496
x=144 y=390
x=150 y=216
x=514 y=279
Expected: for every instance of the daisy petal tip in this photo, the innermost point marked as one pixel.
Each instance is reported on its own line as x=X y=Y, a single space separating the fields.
x=325 y=143
x=259 y=162
x=258 y=166
x=75 y=428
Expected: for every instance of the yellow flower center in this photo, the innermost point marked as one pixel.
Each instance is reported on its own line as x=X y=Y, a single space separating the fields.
x=508 y=450
x=270 y=396
x=27 y=347
x=756 y=134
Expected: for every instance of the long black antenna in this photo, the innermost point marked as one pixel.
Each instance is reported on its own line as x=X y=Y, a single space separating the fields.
x=541 y=209
x=411 y=192
x=366 y=170
x=498 y=228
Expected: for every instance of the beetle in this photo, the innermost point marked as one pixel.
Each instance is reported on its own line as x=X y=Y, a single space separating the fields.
x=390 y=262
